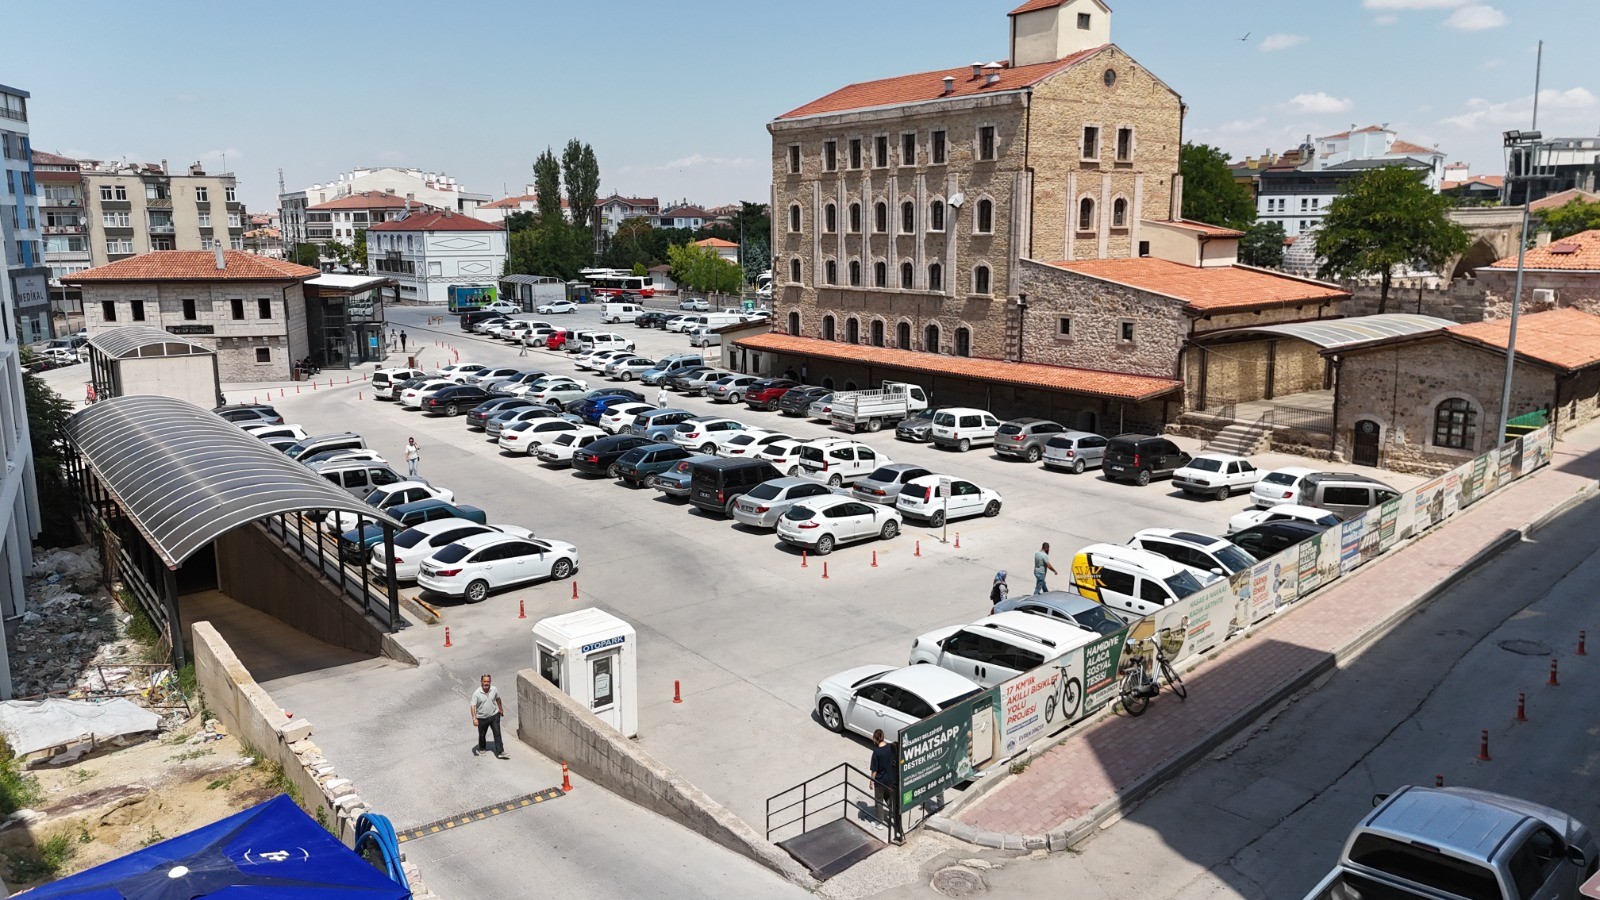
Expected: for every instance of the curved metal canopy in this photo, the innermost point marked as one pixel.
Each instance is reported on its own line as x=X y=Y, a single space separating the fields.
x=186 y=477
x=142 y=340
x=1335 y=334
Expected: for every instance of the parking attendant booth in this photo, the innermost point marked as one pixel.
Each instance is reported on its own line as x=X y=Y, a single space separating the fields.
x=592 y=656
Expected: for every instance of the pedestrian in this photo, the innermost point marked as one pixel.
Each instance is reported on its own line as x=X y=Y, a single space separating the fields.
x=413 y=455
x=402 y=342
x=663 y=399
x=1000 y=591
x=487 y=710
x=523 y=342
x=394 y=339
x=1041 y=565
x=791 y=374
x=885 y=772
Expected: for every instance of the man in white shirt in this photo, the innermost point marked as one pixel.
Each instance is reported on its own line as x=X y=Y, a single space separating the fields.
x=487 y=710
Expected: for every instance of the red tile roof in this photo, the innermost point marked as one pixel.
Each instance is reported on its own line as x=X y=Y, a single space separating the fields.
x=517 y=201
x=716 y=242
x=367 y=200
x=1203 y=228
x=1494 y=181
x=1091 y=382
x=1563 y=338
x=1034 y=5
x=1584 y=255
x=41 y=158
x=1562 y=199
x=924 y=86
x=1345 y=134
x=1209 y=288
x=1408 y=147
x=194 y=265
x=685 y=212
x=437 y=220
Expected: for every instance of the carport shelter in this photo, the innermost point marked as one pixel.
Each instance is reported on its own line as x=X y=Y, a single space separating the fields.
x=185 y=502
x=138 y=359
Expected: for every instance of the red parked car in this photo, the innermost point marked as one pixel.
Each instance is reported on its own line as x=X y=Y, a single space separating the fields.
x=557 y=340
x=764 y=394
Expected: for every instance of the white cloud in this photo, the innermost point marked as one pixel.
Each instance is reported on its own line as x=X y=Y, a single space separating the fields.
x=1413 y=4
x=1477 y=17
x=1481 y=112
x=1317 y=103
x=694 y=161
x=1385 y=20
x=1273 y=42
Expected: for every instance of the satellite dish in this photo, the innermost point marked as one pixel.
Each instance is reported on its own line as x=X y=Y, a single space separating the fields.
x=957 y=199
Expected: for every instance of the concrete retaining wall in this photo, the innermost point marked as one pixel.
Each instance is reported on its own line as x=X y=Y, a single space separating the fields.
x=561 y=729
x=257 y=571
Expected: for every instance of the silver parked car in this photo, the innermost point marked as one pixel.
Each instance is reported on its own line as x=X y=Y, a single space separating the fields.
x=885 y=482
x=765 y=503
x=1025 y=438
x=1074 y=451
x=674 y=482
x=917 y=428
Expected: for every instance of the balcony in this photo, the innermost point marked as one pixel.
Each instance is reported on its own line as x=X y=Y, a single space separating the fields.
x=59 y=202
x=63 y=229
x=158 y=202
x=163 y=229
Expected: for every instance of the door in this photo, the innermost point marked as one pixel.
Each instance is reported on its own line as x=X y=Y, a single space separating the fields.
x=1364 y=447
x=603 y=671
x=874 y=708
x=965 y=499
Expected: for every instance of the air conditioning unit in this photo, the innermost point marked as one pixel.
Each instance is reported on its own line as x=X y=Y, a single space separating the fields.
x=1544 y=295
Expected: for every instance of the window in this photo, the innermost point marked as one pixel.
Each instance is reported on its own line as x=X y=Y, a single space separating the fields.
x=202 y=195
x=794 y=322
x=794 y=159
x=1119 y=213
x=852 y=330
x=908 y=217
x=108 y=310
x=855 y=153
x=116 y=220
x=230 y=195
x=263 y=308
x=936 y=215
x=827 y=328
x=986 y=143
x=830 y=272
x=234 y=221
x=935 y=277
x=154 y=191
x=237 y=306
x=880 y=274
x=980 y=279
x=1083 y=21
x=855 y=273
x=1124 y=145
x=205 y=220
x=1091 y=142
x=1125 y=332
x=877 y=332
x=189 y=310
x=983 y=222
x=1144 y=248
x=1086 y=214
x=830 y=156
x=880 y=151
x=1455 y=424
x=902 y=335
x=794 y=217
x=880 y=217
x=830 y=218
x=936 y=147
x=963 y=341
x=930 y=338
x=121 y=245
x=907 y=276
x=908 y=149
x=113 y=192
x=263 y=354
x=794 y=271
x=855 y=218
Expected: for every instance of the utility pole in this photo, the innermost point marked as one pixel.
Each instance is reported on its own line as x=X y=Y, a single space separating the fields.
x=1530 y=143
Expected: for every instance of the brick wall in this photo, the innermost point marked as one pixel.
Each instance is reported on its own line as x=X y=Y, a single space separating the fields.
x=1097 y=310
x=1574 y=290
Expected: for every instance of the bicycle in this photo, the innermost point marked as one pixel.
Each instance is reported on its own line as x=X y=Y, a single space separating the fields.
x=1064 y=698
x=1139 y=686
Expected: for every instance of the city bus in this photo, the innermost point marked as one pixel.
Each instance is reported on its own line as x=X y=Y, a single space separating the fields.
x=618 y=283
x=469 y=297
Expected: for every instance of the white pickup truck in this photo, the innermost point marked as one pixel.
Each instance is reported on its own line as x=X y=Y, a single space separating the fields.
x=872 y=410
x=1448 y=843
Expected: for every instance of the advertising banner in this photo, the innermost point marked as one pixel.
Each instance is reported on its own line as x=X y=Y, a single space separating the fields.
x=1536 y=449
x=1452 y=489
x=1427 y=505
x=1389 y=522
x=1371 y=530
x=1100 y=661
x=1349 y=543
x=1195 y=624
x=933 y=752
x=1025 y=699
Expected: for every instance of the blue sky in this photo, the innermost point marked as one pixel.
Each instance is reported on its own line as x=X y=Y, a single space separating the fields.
x=675 y=97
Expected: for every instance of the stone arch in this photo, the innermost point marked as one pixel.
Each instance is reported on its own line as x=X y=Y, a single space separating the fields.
x=1480 y=254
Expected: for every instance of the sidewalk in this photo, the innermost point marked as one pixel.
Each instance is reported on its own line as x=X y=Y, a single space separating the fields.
x=1101 y=768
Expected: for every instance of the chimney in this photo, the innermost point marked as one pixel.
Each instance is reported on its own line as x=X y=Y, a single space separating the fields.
x=1542 y=239
x=994 y=78
x=977 y=71
x=222 y=261
x=949 y=84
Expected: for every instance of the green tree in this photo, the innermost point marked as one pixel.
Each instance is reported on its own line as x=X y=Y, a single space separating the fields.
x=358 y=249
x=307 y=255
x=1385 y=218
x=337 y=250
x=701 y=269
x=1210 y=194
x=553 y=247
x=640 y=269
x=47 y=416
x=547 y=184
x=580 y=171
x=1262 y=245
x=1571 y=218
x=634 y=244
x=521 y=220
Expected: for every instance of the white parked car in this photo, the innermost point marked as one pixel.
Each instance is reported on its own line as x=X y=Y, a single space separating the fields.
x=819 y=524
x=839 y=461
x=1216 y=475
x=749 y=444
x=560 y=392
x=490 y=374
x=629 y=367
x=1279 y=486
x=415 y=544
x=597 y=360
x=458 y=372
x=386 y=381
x=784 y=455
x=267 y=432
x=618 y=417
x=472 y=567
x=556 y=307
x=386 y=497
x=412 y=397
x=923 y=499
x=482 y=325
x=706 y=434
x=1281 y=511
x=559 y=451
x=504 y=306
x=681 y=324
x=529 y=435
x=868 y=698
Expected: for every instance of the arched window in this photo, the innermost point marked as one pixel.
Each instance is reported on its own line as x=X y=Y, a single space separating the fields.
x=827 y=328
x=830 y=272
x=908 y=217
x=983 y=222
x=794 y=323
x=1455 y=424
x=830 y=218
x=935 y=277
x=880 y=217
x=877 y=332
x=1086 y=214
x=855 y=273
x=902 y=335
x=880 y=274
x=930 y=338
x=980 y=279
x=963 y=341
x=907 y=276
x=794 y=270
x=1119 y=213
x=794 y=217
x=855 y=218
x=936 y=215
x=827 y=383
x=852 y=330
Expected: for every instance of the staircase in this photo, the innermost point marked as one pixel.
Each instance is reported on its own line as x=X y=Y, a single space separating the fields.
x=1239 y=439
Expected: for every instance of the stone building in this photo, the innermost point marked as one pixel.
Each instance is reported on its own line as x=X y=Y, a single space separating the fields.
x=1428 y=402
x=1564 y=274
x=250 y=309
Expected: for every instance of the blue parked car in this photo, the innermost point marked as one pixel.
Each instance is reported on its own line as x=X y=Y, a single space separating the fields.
x=592 y=409
x=354 y=544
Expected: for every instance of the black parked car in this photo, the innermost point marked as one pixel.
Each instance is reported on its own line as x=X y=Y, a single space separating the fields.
x=1141 y=457
x=452 y=400
x=480 y=415
x=1271 y=538
x=651 y=319
x=795 y=401
x=600 y=457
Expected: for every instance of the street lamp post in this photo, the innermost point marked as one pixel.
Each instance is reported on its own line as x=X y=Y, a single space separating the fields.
x=1523 y=149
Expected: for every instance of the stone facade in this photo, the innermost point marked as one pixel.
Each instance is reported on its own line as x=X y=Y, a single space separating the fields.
x=239 y=341
x=1462 y=300
x=1567 y=290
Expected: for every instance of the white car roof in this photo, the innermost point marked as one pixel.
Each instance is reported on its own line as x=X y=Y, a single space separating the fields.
x=1154 y=563
x=1298 y=511
x=1298 y=471
x=825 y=501
x=435 y=526
x=1182 y=536
x=958 y=410
x=932 y=683
x=1221 y=457
x=477 y=541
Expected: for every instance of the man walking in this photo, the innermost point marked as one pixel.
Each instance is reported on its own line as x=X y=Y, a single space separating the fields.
x=402 y=342
x=487 y=711
x=885 y=773
x=413 y=456
x=1041 y=565
x=663 y=399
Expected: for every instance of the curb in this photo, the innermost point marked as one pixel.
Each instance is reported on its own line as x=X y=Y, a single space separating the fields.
x=1079 y=829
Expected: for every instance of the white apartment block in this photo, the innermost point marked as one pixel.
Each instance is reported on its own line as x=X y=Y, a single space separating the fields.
x=428 y=251
x=434 y=189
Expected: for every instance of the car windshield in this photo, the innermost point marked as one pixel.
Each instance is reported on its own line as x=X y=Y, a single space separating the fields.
x=409 y=538
x=1183 y=584
x=798 y=514
x=1235 y=559
x=1280 y=478
x=523 y=425
x=944 y=418
x=565 y=439
x=764 y=491
x=450 y=553
x=884 y=474
x=1099 y=620
x=923 y=415
x=1206 y=465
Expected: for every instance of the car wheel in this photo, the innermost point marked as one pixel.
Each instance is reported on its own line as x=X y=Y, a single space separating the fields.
x=835 y=480
x=993 y=509
x=728 y=509
x=794 y=471
x=1077 y=467
x=825 y=545
x=615 y=471
x=1222 y=493
x=964 y=445
x=937 y=519
x=734 y=398
x=890 y=530
x=626 y=375
x=477 y=592
x=708 y=447
x=1144 y=477
x=1032 y=455
x=561 y=570
x=832 y=719
x=452 y=410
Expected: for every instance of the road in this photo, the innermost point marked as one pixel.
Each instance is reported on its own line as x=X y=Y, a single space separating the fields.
x=1265 y=817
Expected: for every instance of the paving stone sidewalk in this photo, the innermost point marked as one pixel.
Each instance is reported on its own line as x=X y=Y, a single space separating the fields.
x=1069 y=789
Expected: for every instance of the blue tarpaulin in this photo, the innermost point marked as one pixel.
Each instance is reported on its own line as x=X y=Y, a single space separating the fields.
x=270 y=851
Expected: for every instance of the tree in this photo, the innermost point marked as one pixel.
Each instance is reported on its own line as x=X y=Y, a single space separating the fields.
x=307 y=255
x=701 y=269
x=640 y=269
x=521 y=220
x=47 y=416
x=1262 y=245
x=553 y=247
x=1571 y=218
x=337 y=250
x=547 y=184
x=1210 y=194
x=580 y=170
x=358 y=249
x=1385 y=218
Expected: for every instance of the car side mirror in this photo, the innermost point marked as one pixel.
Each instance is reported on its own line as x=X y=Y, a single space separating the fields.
x=1379 y=798
x=1216 y=571
x=1576 y=856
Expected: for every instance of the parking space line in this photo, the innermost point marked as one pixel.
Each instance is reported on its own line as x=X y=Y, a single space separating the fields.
x=479 y=814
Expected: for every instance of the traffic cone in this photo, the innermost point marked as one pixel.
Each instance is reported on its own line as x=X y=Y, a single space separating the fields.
x=803 y=563
x=574 y=590
x=824 y=570
x=874 y=559
x=447 y=637
x=919 y=549
x=521 y=612
x=958 y=540
x=677 y=691
x=566 y=778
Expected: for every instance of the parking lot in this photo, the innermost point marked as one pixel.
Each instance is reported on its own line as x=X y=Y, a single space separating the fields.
x=728 y=611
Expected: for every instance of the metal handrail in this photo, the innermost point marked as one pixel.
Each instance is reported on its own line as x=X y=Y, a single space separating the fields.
x=841 y=773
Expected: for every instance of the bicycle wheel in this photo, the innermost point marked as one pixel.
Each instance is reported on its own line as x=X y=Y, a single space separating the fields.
x=1173 y=681
x=1134 y=699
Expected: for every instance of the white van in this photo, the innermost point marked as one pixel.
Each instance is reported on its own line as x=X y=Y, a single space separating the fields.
x=602 y=340
x=719 y=319
x=613 y=313
x=998 y=648
x=963 y=428
x=838 y=461
x=1133 y=580
x=702 y=336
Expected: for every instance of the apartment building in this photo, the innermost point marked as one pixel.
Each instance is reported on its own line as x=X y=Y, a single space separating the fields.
x=135 y=208
x=612 y=211
x=342 y=219
x=428 y=251
x=19 y=223
x=434 y=189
